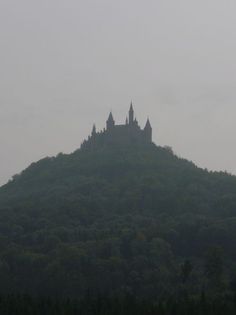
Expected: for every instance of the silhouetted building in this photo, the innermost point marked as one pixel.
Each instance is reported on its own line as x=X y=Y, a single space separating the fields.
x=128 y=133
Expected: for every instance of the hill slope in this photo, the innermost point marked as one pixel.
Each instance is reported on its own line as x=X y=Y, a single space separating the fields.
x=115 y=219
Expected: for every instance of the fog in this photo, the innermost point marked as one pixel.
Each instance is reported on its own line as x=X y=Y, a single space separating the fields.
x=64 y=64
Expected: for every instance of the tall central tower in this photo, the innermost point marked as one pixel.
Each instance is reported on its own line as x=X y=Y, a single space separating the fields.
x=131 y=114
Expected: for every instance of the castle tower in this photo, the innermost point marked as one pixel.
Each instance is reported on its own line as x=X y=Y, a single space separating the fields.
x=148 y=131
x=131 y=114
x=110 y=122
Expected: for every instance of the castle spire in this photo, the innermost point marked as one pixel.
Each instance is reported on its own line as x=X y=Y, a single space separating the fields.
x=94 y=130
x=110 y=121
x=148 y=130
x=148 y=125
x=131 y=114
x=131 y=106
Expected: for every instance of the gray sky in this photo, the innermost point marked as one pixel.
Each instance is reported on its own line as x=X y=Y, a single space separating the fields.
x=65 y=63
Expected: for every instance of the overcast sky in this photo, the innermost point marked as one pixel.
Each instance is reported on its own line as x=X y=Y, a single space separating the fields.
x=64 y=64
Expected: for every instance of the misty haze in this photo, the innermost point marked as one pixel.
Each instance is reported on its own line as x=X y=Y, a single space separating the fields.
x=65 y=64
x=118 y=157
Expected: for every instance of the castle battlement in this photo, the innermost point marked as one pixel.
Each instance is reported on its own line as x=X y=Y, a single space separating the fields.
x=127 y=134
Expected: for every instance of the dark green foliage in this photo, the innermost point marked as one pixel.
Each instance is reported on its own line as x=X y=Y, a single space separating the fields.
x=214 y=270
x=127 y=305
x=186 y=270
x=118 y=220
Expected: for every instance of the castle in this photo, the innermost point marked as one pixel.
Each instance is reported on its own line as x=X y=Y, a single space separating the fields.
x=128 y=133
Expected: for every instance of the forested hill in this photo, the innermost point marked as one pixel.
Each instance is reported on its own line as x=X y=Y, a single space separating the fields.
x=145 y=177
x=117 y=219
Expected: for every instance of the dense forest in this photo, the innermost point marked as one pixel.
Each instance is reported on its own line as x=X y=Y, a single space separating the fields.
x=126 y=305
x=119 y=221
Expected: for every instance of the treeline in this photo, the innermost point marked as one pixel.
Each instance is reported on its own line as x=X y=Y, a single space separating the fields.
x=128 y=305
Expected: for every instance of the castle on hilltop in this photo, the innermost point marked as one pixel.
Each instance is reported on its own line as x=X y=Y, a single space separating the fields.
x=128 y=133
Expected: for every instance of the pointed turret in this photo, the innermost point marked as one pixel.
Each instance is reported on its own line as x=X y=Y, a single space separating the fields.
x=94 y=131
x=148 y=131
x=110 y=121
x=131 y=114
x=148 y=125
